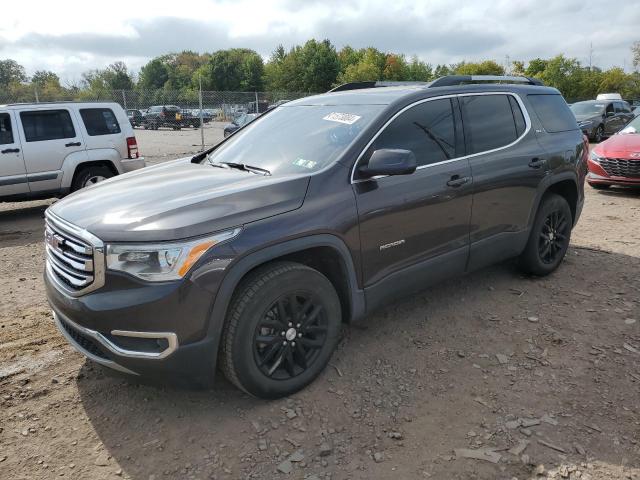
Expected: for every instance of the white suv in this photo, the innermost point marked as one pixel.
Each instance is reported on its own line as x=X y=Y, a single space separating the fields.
x=51 y=149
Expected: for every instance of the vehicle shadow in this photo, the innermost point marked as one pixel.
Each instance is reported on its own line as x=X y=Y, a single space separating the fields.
x=22 y=224
x=425 y=366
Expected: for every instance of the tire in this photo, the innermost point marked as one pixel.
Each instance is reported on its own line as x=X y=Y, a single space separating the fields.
x=549 y=237
x=599 y=134
x=90 y=175
x=290 y=355
x=599 y=186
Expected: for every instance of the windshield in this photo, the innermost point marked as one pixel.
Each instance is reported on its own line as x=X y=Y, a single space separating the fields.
x=296 y=139
x=587 y=108
x=632 y=127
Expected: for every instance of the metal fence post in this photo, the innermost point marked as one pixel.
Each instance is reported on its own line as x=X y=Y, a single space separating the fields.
x=257 y=107
x=201 y=116
x=35 y=89
x=124 y=99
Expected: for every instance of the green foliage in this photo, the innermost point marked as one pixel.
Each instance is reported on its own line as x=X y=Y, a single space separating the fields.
x=11 y=72
x=488 y=67
x=313 y=67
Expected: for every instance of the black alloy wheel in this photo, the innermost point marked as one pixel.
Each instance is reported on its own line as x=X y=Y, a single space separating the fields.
x=281 y=329
x=553 y=238
x=290 y=335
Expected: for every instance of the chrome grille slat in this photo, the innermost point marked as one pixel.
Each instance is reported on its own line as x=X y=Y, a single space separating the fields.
x=74 y=257
x=83 y=265
x=621 y=167
x=70 y=279
x=68 y=270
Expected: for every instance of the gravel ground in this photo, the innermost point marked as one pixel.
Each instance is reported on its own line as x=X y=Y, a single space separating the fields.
x=536 y=378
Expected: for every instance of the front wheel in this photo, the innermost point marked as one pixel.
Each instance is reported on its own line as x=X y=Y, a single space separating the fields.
x=549 y=237
x=599 y=134
x=281 y=329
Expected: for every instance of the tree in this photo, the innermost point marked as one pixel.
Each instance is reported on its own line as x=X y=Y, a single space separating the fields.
x=395 y=68
x=237 y=69
x=153 y=75
x=11 y=72
x=418 y=70
x=488 y=67
x=320 y=65
x=635 y=49
x=45 y=77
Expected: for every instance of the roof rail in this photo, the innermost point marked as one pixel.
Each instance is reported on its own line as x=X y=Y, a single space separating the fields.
x=374 y=84
x=451 y=80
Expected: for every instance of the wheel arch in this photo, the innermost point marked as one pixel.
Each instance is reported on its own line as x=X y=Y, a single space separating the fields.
x=93 y=163
x=564 y=184
x=326 y=253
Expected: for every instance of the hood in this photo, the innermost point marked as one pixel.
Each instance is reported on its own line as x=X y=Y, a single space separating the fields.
x=177 y=200
x=620 y=146
x=582 y=118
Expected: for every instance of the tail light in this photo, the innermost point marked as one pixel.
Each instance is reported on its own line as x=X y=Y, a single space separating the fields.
x=132 y=147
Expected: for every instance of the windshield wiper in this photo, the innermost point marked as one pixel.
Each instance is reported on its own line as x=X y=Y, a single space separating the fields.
x=242 y=166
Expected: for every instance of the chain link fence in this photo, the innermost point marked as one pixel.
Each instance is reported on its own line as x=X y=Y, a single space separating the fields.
x=220 y=106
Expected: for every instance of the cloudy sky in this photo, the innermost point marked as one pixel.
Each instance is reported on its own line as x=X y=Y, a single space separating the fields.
x=72 y=36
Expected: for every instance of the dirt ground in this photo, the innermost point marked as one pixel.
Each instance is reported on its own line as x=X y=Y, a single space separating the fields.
x=539 y=376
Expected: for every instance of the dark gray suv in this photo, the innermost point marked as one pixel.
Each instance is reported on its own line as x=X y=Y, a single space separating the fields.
x=253 y=254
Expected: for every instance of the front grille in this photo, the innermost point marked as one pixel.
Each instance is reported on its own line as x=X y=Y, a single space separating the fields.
x=69 y=258
x=621 y=167
x=83 y=341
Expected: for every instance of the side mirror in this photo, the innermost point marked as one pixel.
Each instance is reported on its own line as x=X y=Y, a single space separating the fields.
x=610 y=114
x=389 y=161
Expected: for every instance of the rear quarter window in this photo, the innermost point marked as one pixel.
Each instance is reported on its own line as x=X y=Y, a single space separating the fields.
x=99 y=121
x=553 y=112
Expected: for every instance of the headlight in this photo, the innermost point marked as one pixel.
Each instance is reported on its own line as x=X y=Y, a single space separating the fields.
x=595 y=157
x=162 y=262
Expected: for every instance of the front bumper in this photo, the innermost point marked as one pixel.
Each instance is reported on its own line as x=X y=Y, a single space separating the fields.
x=158 y=331
x=593 y=178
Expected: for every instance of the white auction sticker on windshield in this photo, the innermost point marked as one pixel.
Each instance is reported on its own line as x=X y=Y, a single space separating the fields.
x=348 y=118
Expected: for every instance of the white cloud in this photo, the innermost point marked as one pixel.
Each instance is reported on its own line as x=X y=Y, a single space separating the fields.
x=73 y=36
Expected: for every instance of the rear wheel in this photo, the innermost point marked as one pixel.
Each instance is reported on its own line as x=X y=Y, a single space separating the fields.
x=549 y=237
x=281 y=329
x=90 y=175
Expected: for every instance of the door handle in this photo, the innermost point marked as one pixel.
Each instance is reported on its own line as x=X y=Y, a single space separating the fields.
x=457 y=181
x=73 y=144
x=10 y=150
x=537 y=162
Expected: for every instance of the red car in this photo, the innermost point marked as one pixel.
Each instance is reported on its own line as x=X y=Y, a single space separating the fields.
x=616 y=161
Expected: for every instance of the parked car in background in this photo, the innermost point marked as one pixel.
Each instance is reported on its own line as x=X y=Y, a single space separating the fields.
x=239 y=122
x=609 y=96
x=135 y=117
x=206 y=115
x=616 y=161
x=599 y=119
x=51 y=149
x=255 y=252
x=189 y=119
x=163 y=116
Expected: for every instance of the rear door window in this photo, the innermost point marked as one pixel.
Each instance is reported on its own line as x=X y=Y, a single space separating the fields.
x=489 y=122
x=41 y=125
x=553 y=112
x=99 y=121
x=428 y=130
x=6 y=132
